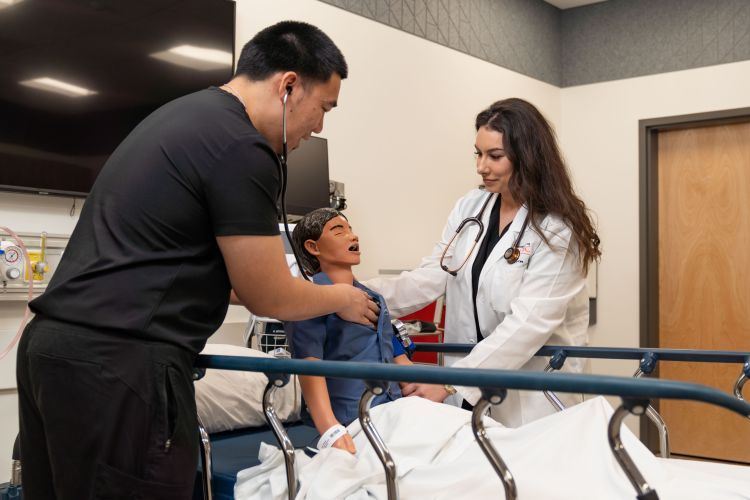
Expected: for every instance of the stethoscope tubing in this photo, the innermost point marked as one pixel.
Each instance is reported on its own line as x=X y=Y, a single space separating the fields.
x=283 y=172
x=511 y=255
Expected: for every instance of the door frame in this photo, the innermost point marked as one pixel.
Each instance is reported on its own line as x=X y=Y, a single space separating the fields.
x=648 y=159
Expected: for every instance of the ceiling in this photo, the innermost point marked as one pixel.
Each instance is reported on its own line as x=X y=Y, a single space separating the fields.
x=569 y=4
x=105 y=46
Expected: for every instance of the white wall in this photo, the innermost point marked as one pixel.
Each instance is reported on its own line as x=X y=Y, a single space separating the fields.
x=29 y=214
x=402 y=137
x=599 y=135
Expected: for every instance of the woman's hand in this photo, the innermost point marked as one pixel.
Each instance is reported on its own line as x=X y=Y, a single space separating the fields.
x=345 y=443
x=433 y=392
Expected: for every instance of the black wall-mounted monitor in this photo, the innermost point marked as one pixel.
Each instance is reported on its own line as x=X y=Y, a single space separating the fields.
x=76 y=76
x=307 y=184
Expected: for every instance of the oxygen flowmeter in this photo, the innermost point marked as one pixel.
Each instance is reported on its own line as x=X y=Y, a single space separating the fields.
x=11 y=262
x=16 y=272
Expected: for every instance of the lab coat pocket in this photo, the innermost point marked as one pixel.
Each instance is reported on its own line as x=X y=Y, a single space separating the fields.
x=505 y=286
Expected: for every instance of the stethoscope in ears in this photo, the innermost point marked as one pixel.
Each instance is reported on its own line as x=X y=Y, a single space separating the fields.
x=282 y=168
x=511 y=255
x=283 y=175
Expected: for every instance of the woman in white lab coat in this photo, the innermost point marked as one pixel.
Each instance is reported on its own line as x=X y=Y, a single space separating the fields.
x=517 y=281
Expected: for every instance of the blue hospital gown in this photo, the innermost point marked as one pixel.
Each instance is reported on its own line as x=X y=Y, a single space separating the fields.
x=333 y=339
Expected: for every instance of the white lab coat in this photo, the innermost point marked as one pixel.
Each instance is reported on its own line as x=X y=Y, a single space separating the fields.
x=540 y=299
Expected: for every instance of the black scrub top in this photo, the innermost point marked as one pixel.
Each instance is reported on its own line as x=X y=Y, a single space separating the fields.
x=143 y=260
x=491 y=237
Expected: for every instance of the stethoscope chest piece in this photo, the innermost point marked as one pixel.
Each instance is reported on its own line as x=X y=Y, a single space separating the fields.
x=512 y=254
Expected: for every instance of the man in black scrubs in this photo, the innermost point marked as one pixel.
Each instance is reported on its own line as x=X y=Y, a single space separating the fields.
x=183 y=212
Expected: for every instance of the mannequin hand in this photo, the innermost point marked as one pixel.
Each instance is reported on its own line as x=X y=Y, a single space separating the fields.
x=432 y=392
x=345 y=443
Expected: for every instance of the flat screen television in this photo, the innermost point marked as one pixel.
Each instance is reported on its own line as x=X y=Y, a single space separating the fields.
x=307 y=177
x=76 y=76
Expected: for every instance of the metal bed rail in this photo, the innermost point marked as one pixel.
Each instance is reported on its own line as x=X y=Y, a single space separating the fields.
x=635 y=394
x=661 y=354
x=648 y=357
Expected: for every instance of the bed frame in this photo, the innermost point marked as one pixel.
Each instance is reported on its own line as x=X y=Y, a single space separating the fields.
x=648 y=359
x=635 y=393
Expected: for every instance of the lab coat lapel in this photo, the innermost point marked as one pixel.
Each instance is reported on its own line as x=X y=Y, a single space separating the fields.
x=496 y=256
x=468 y=241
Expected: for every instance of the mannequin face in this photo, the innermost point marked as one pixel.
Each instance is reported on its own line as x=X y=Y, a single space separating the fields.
x=307 y=106
x=492 y=163
x=337 y=246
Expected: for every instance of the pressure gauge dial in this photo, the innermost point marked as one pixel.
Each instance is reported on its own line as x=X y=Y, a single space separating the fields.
x=12 y=255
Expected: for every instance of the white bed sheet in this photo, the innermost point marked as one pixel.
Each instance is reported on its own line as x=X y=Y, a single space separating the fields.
x=717 y=469
x=562 y=456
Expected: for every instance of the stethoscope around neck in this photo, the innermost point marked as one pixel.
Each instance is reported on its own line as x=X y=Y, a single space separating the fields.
x=511 y=255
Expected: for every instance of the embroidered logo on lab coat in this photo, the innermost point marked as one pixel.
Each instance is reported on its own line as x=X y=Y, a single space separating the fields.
x=526 y=252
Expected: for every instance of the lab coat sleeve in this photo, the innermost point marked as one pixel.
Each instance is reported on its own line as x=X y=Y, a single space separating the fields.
x=412 y=290
x=551 y=281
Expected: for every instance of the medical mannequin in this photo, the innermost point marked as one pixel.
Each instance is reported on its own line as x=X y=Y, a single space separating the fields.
x=328 y=248
x=514 y=273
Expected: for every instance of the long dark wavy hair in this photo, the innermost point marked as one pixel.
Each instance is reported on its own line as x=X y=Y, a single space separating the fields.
x=540 y=178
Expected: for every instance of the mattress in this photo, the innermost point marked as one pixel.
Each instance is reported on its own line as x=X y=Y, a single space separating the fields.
x=233 y=451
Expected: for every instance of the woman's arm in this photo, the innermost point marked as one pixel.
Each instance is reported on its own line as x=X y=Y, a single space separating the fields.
x=433 y=392
x=413 y=290
x=402 y=360
x=315 y=391
x=405 y=361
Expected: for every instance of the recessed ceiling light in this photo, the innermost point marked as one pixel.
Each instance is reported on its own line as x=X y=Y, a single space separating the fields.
x=58 y=86
x=200 y=58
x=8 y=3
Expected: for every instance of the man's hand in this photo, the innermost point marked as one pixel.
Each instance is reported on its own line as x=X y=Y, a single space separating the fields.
x=261 y=281
x=433 y=392
x=360 y=308
x=345 y=443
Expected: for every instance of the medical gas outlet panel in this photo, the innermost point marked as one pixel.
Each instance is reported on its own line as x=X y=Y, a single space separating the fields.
x=45 y=251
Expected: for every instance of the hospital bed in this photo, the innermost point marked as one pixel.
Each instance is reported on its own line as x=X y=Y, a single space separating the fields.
x=636 y=394
x=648 y=359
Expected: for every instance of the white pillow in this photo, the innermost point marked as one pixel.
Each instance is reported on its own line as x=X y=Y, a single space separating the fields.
x=232 y=399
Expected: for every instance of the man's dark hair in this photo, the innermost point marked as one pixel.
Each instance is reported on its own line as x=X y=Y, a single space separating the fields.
x=291 y=46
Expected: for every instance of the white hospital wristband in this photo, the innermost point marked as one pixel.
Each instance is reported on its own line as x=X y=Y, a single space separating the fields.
x=331 y=436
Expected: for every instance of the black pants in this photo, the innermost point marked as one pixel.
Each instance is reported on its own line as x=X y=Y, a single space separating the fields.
x=104 y=416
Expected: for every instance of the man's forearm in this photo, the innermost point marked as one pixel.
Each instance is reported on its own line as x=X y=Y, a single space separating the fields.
x=262 y=282
x=298 y=299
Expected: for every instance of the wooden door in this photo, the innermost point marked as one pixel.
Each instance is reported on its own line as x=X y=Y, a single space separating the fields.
x=704 y=277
